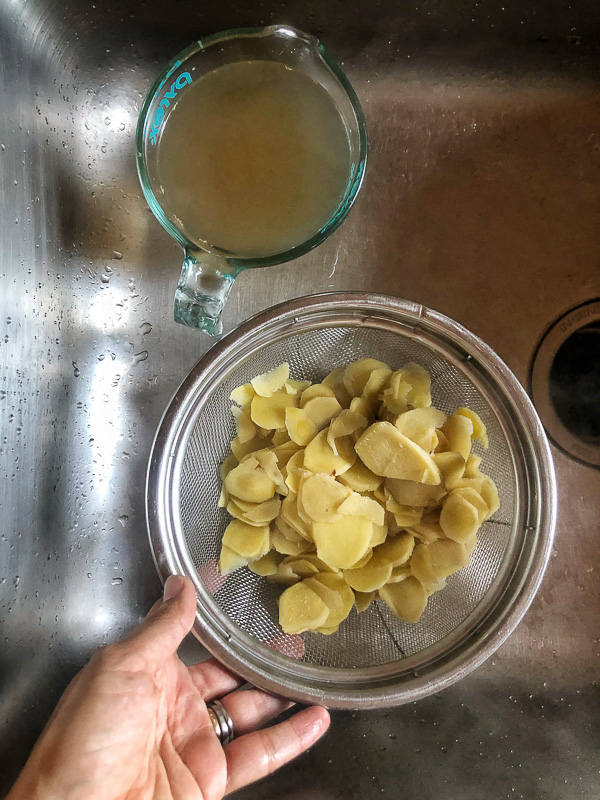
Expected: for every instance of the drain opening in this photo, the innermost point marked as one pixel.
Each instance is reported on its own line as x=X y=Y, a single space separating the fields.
x=575 y=383
x=565 y=382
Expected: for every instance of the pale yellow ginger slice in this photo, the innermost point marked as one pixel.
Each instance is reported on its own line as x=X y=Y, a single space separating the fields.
x=319 y=457
x=335 y=593
x=451 y=466
x=270 y=382
x=489 y=492
x=413 y=493
x=316 y=390
x=249 y=481
x=246 y=429
x=358 y=373
x=300 y=427
x=286 y=529
x=283 y=545
x=378 y=380
x=293 y=471
x=242 y=395
x=442 y=445
x=281 y=436
x=458 y=430
x=239 y=511
x=396 y=550
x=419 y=425
x=404 y=516
x=266 y=565
x=419 y=380
x=246 y=540
x=321 y=410
x=290 y=515
x=387 y=452
x=229 y=561
x=228 y=464
x=362 y=600
x=407 y=599
x=269 y=412
x=479 y=429
x=400 y=573
x=459 y=519
x=364 y=560
x=300 y=609
x=346 y=423
x=327 y=631
x=300 y=566
x=396 y=394
x=380 y=533
x=268 y=461
x=284 y=452
x=360 y=406
x=441 y=558
x=472 y=467
x=357 y=505
x=343 y=542
x=472 y=489
x=428 y=530
x=240 y=450
x=320 y=566
x=263 y=512
x=284 y=573
x=296 y=387
x=371 y=577
x=335 y=381
x=320 y=496
x=360 y=478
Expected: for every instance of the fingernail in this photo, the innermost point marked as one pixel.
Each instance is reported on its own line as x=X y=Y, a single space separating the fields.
x=173 y=587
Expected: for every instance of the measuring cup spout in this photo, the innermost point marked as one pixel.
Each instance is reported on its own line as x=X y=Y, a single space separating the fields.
x=202 y=290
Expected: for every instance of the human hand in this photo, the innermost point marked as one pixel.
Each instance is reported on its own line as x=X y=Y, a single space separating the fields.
x=133 y=724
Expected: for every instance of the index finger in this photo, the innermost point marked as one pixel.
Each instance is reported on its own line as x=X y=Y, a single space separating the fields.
x=257 y=754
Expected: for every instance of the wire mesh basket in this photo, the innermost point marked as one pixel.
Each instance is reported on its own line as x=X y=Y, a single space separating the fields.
x=374 y=659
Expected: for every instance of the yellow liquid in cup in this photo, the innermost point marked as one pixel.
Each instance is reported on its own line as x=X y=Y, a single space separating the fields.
x=254 y=159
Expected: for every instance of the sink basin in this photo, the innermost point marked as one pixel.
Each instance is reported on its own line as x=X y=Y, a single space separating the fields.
x=481 y=201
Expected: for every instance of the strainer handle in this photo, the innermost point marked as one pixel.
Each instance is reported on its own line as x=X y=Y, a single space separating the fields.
x=202 y=290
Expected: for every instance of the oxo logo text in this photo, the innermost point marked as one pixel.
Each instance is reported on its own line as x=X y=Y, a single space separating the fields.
x=169 y=95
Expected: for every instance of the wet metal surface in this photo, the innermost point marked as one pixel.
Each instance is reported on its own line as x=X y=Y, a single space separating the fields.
x=481 y=200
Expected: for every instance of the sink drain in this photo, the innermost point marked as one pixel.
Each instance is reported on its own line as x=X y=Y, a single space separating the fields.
x=565 y=382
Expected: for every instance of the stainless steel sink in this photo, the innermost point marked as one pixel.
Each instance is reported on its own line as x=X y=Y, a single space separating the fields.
x=482 y=200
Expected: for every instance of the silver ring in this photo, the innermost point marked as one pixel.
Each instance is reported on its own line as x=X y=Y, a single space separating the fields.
x=221 y=721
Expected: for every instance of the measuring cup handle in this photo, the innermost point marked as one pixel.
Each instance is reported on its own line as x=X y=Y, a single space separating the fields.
x=202 y=291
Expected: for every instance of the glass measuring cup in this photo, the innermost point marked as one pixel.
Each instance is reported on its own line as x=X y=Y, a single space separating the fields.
x=209 y=270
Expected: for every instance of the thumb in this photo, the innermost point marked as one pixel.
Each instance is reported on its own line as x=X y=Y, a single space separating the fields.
x=169 y=621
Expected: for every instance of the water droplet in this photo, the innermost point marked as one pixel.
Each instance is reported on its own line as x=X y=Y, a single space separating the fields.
x=145 y=328
x=101 y=357
x=138 y=357
x=76 y=370
x=107 y=120
x=117 y=581
x=123 y=519
x=117 y=256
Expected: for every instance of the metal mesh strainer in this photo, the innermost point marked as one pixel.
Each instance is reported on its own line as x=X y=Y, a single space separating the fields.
x=373 y=659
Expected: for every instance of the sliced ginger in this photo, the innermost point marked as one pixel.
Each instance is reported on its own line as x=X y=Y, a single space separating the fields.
x=350 y=490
